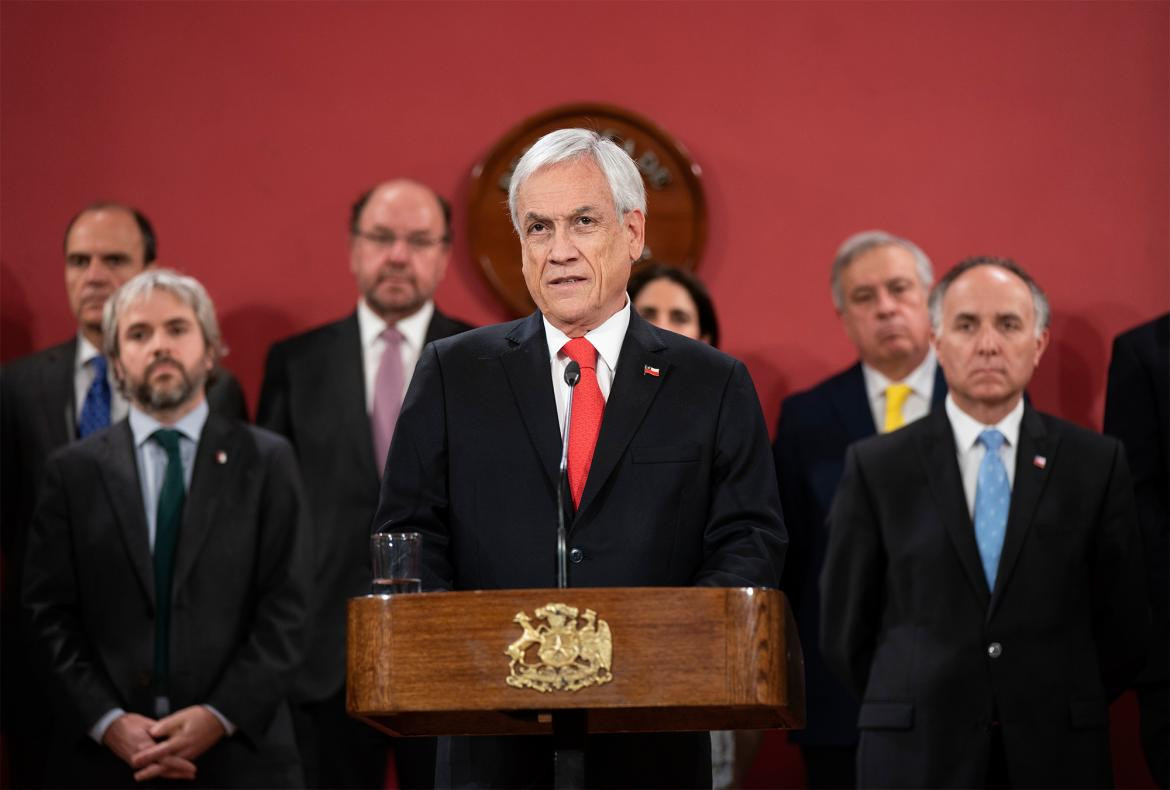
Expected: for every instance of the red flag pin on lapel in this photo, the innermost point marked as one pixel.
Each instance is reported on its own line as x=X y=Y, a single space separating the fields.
x=1039 y=462
x=650 y=371
x=220 y=457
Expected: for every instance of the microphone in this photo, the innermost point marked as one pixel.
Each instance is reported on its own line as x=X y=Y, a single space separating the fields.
x=572 y=376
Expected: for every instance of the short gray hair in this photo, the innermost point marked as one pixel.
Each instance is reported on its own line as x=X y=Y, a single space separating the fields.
x=865 y=241
x=1039 y=298
x=563 y=145
x=184 y=288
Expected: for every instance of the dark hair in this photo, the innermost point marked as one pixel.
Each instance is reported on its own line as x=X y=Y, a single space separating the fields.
x=359 y=205
x=149 y=242
x=651 y=271
x=1039 y=298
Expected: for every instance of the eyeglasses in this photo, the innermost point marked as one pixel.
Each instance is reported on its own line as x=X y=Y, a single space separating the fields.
x=416 y=243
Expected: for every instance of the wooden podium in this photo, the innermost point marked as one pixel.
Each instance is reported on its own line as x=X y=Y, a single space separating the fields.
x=681 y=659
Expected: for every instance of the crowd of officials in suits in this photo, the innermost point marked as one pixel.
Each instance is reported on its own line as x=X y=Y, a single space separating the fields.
x=973 y=585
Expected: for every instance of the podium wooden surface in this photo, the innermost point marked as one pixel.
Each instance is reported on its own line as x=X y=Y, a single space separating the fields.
x=691 y=658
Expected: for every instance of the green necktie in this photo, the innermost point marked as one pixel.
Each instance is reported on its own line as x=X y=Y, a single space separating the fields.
x=166 y=539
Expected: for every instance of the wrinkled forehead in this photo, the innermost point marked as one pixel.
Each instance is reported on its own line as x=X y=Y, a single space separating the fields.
x=565 y=188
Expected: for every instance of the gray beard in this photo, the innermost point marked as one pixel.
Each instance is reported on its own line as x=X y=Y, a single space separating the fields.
x=158 y=398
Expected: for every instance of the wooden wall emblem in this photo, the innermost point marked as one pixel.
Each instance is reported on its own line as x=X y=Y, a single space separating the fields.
x=676 y=225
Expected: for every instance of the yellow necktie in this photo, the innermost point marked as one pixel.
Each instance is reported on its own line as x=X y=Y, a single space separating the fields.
x=896 y=395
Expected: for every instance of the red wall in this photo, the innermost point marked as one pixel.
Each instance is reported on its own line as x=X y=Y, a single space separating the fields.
x=1035 y=130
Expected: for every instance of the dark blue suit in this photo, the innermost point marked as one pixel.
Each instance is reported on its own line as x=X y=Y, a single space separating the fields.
x=815 y=429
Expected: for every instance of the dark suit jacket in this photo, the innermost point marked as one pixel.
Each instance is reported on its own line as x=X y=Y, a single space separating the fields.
x=314 y=394
x=815 y=429
x=241 y=588
x=681 y=492
x=37 y=416
x=935 y=656
x=1137 y=411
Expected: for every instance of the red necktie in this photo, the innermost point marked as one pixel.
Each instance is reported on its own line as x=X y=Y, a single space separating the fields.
x=585 y=424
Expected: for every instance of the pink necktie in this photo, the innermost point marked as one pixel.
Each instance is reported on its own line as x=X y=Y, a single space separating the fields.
x=388 y=386
x=585 y=424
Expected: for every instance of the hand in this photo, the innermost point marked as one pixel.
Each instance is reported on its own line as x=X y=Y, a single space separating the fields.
x=182 y=736
x=129 y=735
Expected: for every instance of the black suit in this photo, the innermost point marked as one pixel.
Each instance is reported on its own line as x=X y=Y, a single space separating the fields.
x=1137 y=411
x=238 y=611
x=681 y=491
x=935 y=656
x=314 y=394
x=815 y=429
x=37 y=416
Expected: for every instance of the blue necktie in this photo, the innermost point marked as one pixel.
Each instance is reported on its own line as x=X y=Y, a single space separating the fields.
x=166 y=539
x=993 y=496
x=95 y=411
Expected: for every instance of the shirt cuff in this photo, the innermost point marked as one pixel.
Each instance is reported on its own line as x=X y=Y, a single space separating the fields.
x=228 y=727
x=98 y=731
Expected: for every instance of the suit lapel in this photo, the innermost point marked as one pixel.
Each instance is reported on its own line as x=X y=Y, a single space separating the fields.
x=119 y=471
x=851 y=403
x=347 y=375
x=937 y=446
x=57 y=387
x=1028 y=485
x=218 y=459
x=631 y=395
x=526 y=364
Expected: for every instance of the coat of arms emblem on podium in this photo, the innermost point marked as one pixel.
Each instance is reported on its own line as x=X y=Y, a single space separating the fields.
x=560 y=651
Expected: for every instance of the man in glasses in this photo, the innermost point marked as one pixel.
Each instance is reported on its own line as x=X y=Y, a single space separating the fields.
x=335 y=392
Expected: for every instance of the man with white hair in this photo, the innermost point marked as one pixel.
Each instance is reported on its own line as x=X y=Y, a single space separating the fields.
x=167 y=573
x=983 y=590
x=670 y=482
x=879 y=284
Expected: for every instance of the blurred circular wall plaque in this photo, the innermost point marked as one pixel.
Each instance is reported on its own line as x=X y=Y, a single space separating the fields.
x=676 y=224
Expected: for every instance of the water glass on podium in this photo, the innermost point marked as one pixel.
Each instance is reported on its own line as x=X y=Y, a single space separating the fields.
x=396 y=559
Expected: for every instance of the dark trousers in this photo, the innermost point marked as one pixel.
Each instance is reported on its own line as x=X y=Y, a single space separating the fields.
x=829 y=767
x=339 y=751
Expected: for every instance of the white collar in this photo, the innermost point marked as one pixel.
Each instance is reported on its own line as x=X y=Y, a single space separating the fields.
x=85 y=351
x=920 y=380
x=413 y=327
x=607 y=338
x=967 y=428
x=142 y=425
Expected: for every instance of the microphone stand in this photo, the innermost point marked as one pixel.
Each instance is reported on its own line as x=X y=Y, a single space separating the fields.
x=572 y=376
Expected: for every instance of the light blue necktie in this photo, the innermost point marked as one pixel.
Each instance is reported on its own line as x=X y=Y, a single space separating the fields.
x=95 y=410
x=993 y=496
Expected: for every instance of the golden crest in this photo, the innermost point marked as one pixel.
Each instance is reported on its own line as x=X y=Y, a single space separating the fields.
x=562 y=653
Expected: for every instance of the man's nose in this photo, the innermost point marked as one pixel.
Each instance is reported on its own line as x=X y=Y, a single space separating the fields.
x=563 y=250
x=886 y=304
x=987 y=341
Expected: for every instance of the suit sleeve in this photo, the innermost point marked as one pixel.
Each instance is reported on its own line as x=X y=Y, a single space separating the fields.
x=415 y=496
x=744 y=542
x=51 y=601
x=853 y=580
x=786 y=454
x=1120 y=612
x=258 y=676
x=273 y=411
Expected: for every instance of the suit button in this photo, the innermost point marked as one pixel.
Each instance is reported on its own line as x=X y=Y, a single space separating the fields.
x=995 y=650
x=576 y=555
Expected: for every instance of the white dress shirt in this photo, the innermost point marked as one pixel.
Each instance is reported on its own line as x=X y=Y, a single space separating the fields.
x=970 y=451
x=607 y=339
x=917 y=405
x=83 y=375
x=414 y=334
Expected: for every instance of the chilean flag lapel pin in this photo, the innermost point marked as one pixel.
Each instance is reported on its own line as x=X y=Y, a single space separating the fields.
x=220 y=457
x=1039 y=462
x=647 y=370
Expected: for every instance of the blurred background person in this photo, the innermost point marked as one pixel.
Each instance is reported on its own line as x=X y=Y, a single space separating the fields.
x=879 y=284
x=1137 y=411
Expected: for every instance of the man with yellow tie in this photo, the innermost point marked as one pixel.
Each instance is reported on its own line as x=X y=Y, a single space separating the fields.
x=880 y=284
